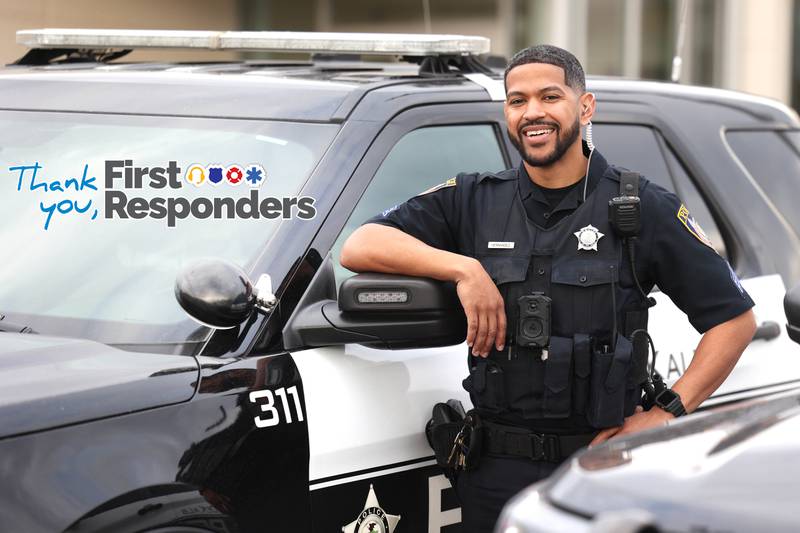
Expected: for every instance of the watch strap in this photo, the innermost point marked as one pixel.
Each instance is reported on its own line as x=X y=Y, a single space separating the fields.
x=675 y=407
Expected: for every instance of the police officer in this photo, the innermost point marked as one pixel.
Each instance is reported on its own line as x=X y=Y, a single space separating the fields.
x=554 y=286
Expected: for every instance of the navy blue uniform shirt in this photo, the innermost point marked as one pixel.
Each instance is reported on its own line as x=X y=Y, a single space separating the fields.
x=670 y=251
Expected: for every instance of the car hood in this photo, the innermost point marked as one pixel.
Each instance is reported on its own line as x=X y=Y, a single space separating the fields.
x=50 y=381
x=733 y=469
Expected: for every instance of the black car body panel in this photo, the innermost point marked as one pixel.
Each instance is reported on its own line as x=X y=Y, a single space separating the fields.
x=229 y=474
x=47 y=382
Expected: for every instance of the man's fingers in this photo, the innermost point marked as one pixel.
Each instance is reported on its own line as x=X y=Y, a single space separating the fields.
x=618 y=434
x=472 y=326
x=480 y=333
x=491 y=333
x=604 y=435
x=500 y=336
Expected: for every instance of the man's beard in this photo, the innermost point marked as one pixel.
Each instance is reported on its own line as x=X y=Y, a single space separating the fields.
x=563 y=142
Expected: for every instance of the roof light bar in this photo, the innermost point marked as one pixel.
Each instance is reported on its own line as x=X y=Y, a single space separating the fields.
x=409 y=44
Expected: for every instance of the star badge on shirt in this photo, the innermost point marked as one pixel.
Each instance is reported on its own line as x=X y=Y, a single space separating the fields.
x=588 y=237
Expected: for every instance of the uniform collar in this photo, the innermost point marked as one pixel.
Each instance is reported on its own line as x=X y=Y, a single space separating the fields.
x=597 y=169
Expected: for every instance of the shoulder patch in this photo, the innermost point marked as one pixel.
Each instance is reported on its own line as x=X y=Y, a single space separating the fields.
x=449 y=183
x=693 y=227
x=386 y=213
x=735 y=279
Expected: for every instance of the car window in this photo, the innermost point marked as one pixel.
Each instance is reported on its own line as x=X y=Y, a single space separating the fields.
x=635 y=148
x=419 y=160
x=773 y=160
x=642 y=149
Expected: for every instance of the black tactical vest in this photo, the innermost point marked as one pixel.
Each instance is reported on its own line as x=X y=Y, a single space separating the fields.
x=590 y=368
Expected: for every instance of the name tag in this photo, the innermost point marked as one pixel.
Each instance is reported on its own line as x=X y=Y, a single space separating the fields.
x=500 y=244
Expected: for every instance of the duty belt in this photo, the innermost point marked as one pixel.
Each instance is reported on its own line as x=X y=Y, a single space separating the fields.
x=519 y=442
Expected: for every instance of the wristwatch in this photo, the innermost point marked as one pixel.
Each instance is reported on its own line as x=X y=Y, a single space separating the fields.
x=670 y=401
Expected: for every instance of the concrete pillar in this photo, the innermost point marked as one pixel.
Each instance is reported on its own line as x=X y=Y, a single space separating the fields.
x=757 y=50
x=505 y=28
x=323 y=15
x=562 y=23
x=632 y=39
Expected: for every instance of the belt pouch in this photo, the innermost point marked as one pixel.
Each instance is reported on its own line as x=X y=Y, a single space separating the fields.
x=524 y=382
x=638 y=374
x=608 y=385
x=485 y=385
x=557 y=391
x=582 y=356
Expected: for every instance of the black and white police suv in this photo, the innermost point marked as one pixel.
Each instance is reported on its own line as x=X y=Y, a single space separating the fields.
x=137 y=194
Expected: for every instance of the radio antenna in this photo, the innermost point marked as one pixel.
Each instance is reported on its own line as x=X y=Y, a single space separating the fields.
x=677 y=61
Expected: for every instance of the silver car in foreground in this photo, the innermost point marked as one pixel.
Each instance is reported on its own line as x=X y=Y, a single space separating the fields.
x=732 y=469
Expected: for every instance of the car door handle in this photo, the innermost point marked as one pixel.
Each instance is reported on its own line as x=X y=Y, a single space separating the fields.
x=767 y=330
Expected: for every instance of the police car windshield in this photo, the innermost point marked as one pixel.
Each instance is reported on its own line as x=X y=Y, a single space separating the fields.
x=101 y=211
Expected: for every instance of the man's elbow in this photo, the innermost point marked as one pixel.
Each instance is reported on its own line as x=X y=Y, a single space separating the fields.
x=353 y=251
x=742 y=326
x=346 y=256
x=749 y=323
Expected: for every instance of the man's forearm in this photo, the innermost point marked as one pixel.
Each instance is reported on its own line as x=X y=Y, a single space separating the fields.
x=716 y=355
x=377 y=248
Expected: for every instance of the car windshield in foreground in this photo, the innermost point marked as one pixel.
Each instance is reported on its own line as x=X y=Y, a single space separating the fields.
x=101 y=211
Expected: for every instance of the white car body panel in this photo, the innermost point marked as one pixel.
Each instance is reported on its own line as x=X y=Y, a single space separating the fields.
x=367 y=407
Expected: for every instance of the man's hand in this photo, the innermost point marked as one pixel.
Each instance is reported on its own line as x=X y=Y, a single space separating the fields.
x=638 y=421
x=483 y=305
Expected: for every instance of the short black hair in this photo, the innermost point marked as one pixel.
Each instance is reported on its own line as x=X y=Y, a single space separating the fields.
x=552 y=55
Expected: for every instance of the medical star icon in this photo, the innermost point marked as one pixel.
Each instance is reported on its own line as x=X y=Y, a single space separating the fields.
x=372 y=519
x=254 y=175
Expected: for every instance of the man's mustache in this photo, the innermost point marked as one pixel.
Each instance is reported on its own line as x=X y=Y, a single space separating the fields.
x=537 y=123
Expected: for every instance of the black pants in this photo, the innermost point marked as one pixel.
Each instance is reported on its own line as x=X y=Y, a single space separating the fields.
x=484 y=491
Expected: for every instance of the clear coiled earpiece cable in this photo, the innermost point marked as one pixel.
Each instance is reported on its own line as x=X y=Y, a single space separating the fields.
x=590 y=144
x=588 y=136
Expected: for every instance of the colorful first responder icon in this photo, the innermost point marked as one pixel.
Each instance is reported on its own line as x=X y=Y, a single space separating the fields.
x=234 y=174
x=588 y=237
x=215 y=173
x=195 y=174
x=254 y=175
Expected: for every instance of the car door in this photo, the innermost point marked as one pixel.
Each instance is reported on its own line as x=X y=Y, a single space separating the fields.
x=771 y=360
x=367 y=407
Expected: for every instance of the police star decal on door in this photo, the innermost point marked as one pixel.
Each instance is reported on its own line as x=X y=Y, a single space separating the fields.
x=372 y=519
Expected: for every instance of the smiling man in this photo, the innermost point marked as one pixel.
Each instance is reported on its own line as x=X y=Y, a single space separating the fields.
x=554 y=284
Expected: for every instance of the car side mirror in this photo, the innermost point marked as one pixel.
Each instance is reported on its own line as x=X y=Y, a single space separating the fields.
x=791 y=306
x=377 y=310
x=219 y=294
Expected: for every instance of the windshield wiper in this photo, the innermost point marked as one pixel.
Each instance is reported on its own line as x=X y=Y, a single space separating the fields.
x=10 y=327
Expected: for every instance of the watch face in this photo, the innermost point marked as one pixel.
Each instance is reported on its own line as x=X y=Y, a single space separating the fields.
x=667 y=397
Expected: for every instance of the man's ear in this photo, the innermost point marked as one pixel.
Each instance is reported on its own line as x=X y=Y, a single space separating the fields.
x=587 y=107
